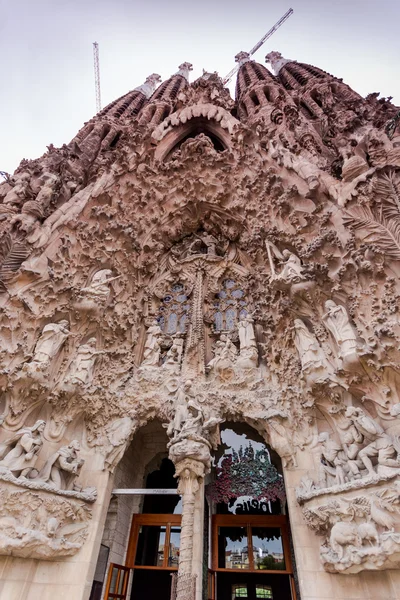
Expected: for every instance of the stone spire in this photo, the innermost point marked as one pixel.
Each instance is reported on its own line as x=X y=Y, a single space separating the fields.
x=242 y=57
x=184 y=70
x=150 y=85
x=276 y=60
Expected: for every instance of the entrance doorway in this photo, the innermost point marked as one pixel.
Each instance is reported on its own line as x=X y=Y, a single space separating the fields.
x=251 y=558
x=251 y=554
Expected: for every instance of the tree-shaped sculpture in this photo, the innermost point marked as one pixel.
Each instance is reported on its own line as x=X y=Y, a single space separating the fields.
x=247 y=472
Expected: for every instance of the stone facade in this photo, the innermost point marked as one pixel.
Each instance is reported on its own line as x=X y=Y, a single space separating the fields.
x=189 y=259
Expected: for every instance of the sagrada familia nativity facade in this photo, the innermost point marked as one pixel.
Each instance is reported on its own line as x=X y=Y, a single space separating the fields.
x=200 y=346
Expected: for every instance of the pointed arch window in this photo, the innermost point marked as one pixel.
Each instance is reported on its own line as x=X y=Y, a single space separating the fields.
x=230 y=306
x=172 y=315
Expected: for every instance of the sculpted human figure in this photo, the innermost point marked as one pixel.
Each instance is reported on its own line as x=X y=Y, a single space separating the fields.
x=118 y=434
x=247 y=338
x=48 y=345
x=188 y=415
x=81 y=369
x=152 y=347
x=292 y=270
x=20 y=191
x=225 y=354
x=19 y=453
x=337 y=321
x=333 y=461
x=62 y=468
x=174 y=354
x=382 y=447
x=99 y=288
x=313 y=361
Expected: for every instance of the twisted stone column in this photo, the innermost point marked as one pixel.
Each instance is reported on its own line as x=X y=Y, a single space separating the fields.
x=189 y=471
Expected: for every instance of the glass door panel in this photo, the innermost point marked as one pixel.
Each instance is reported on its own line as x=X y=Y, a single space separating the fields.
x=174 y=546
x=233 y=551
x=150 y=546
x=267 y=549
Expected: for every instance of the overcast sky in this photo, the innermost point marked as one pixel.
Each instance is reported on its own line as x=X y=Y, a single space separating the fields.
x=47 y=85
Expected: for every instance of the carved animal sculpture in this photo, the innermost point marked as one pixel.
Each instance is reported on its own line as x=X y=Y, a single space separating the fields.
x=342 y=535
x=368 y=533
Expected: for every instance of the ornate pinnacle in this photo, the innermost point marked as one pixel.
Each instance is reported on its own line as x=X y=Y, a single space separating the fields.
x=276 y=60
x=242 y=57
x=148 y=87
x=184 y=70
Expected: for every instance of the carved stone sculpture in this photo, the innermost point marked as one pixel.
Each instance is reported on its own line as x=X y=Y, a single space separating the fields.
x=333 y=461
x=47 y=347
x=382 y=447
x=315 y=366
x=152 y=347
x=41 y=525
x=97 y=292
x=119 y=433
x=173 y=359
x=292 y=270
x=82 y=366
x=188 y=416
x=337 y=321
x=248 y=346
x=225 y=355
x=62 y=468
x=19 y=453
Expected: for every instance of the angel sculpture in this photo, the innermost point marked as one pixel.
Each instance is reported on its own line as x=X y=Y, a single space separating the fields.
x=292 y=270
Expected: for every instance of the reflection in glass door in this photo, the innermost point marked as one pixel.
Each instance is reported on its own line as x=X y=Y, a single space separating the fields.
x=251 y=557
x=153 y=554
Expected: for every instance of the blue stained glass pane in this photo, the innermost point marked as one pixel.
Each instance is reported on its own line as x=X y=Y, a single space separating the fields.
x=181 y=298
x=242 y=303
x=243 y=313
x=237 y=293
x=178 y=287
x=222 y=294
x=218 y=323
x=172 y=323
x=229 y=283
x=230 y=317
x=167 y=299
x=161 y=322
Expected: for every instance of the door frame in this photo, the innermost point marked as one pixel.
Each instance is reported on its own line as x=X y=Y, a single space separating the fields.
x=250 y=521
x=163 y=520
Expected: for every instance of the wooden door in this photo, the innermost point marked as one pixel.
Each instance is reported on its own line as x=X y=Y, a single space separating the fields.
x=117 y=582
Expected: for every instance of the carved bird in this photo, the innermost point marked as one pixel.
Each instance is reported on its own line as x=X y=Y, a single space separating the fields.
x=381 y=517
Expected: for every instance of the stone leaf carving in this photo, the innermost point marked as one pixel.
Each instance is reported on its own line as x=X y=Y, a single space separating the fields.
x=38 y=524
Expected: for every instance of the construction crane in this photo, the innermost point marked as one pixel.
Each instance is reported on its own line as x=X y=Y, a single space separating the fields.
x=97 y=75
x=260 y=43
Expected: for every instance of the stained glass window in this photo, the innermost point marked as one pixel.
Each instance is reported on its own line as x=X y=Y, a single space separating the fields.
x=173 y=311
x=230 y=306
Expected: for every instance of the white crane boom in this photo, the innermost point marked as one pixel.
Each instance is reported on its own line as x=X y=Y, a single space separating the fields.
x=260 y=43
x=97 y=75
